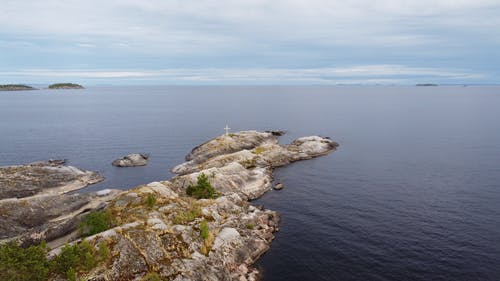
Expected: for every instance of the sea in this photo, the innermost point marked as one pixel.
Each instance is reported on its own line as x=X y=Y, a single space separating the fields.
x=412 y=193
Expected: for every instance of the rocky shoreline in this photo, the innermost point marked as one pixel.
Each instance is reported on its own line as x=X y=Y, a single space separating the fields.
x=161 y=230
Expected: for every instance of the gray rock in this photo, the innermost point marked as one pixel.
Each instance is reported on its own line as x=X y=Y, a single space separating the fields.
x=48 y=177
x=49 y=217
x=166 y=237
x=229 y=144
x=132 y=160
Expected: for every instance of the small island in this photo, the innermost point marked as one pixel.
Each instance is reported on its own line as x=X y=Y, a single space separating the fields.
x=65 y=86
x=426 y=85
x=16 y=87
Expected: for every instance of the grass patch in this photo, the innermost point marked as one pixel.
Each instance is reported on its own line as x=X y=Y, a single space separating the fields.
x=258 y=150
x=189 y=215
x=95 y=222
x=151 y=201
x=250 y=226
x=152 y=276
x=204 y=231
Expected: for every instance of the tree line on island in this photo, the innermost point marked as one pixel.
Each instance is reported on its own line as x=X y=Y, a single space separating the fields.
x=56 y=86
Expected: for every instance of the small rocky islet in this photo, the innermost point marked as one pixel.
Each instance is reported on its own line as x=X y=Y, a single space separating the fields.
x=159 y=232
x=65 y=86
x=16 y=87
x=56 y=86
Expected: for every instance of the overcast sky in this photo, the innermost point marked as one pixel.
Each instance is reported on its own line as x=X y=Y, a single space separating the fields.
x=250 y=41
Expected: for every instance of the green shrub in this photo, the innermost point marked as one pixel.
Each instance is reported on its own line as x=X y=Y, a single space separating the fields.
x=204 y=231
x=151 y=200
x=96 y=222
x=250 y=226
x=31 y=264
x=103 y=251
x=71 y=274
x=77 y=257
x=202 y=189
x=23 y=264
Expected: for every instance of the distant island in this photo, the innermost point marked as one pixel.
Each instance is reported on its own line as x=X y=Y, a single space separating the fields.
x=426 y=84
x=65 y=86
x=16 y=87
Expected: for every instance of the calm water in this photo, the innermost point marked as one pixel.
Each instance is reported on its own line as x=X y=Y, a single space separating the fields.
x=413 y=193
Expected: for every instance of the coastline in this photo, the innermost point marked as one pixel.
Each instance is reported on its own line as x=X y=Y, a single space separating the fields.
x=164 y=238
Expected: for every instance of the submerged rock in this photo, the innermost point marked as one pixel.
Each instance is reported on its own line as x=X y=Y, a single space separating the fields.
x=45 y=177
x=132 y=160
x=279 y=186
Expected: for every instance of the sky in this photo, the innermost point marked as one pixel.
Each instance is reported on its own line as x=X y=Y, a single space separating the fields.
x=292 y=42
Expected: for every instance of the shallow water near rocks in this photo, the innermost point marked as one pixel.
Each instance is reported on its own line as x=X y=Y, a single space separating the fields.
x=412 y=193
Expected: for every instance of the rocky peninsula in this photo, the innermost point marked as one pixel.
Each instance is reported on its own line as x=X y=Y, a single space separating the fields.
x=159 y=232
x=16 y=87
x=65 y=86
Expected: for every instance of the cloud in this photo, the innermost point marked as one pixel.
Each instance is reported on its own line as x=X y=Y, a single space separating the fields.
x=279 y=34
x=214 y=22
x=367 y=74
x=85 y=45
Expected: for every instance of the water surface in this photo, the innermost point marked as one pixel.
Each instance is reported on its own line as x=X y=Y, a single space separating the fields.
x=413 y=193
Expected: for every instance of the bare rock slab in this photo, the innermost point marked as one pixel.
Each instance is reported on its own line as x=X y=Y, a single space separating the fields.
x=45 y=177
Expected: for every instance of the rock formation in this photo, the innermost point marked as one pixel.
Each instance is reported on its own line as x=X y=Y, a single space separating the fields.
x=35 y=204
x=45 y=177
x=162 y=231
x=132 y=160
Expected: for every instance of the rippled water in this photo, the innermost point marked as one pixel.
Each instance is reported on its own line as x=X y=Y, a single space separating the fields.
x=413 y=193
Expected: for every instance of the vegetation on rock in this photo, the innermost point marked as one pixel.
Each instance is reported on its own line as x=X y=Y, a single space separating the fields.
x=204 y=231
x=23 y=264
x=65 y=86
x=96 y=222
x=152 y=276
x=258 y=150
x=15 y=87
x=150 y=201
x=73 y=258
x=202 y=189
x=31 y=263
x=189 y=215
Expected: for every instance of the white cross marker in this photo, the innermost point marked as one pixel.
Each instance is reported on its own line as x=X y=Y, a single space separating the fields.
x=227 y=130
